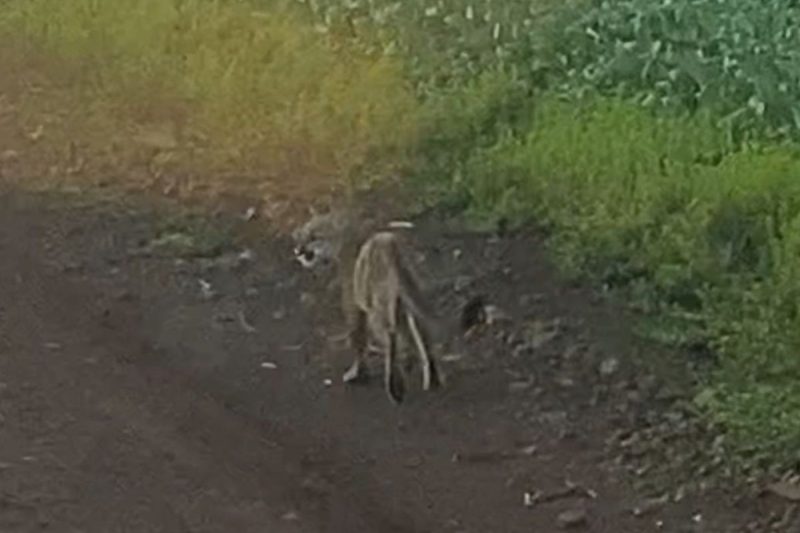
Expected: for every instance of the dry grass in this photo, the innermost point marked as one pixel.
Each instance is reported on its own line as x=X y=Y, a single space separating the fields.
x=194 y=96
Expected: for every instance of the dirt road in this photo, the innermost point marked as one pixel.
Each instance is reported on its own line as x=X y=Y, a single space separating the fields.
x=143 y=392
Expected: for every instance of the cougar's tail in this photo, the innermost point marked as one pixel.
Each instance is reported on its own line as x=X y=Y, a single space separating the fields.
x=473 y=312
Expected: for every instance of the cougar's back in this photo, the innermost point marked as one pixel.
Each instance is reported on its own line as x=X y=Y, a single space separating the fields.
x=382 y=277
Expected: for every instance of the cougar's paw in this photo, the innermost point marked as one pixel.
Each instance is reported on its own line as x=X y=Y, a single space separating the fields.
x=435 y=380
x=395 y=388
x=355 y=374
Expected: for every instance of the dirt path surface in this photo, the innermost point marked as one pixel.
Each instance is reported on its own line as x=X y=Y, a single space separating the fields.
x=141 y=392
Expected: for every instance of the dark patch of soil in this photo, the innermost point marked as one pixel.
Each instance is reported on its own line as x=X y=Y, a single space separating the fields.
x=136 y=398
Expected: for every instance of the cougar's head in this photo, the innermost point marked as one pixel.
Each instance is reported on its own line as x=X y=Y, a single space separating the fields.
x=319 y=240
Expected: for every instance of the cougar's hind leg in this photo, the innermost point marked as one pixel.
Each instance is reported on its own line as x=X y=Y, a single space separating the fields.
x=393 y=376
x=358 y=343
x=430 y=372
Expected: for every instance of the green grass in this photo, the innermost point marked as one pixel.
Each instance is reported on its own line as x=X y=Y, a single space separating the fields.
x=702 y=237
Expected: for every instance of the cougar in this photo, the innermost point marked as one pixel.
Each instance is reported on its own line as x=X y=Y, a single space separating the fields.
x=382 y=296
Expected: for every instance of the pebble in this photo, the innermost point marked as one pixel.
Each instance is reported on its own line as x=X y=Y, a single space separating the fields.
x=7 y=156
x=609 y=367
x=650 y=505
x=572 y=518
x=519 y=386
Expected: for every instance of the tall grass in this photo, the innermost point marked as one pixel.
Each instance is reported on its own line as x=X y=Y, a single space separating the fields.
x=702 y=237
x=258 y=92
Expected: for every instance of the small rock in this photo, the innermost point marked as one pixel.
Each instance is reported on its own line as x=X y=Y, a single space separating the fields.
x=206 y=290
x=159 y=138
x=461 y=283
x=666 y=394
x=650 y=505
x=71 y=266
x=494 y=315
x=529 y=499
x=400 y=224
x=609 y=367
x=244 y=324
x=553 y=418
x=572 y=518
x=519 y=386
x=36 y=134
x=529 y=299
x=785 y=490
x=571 y=351
x=521 y=349
x=647 y=384
x=279 y=314
x=414 y=462
x=123 y=295
x=245 y=256
x=566 y=382
x=540 y=333
x=566 y=433
x=529 y=450
x=633 y=397
x=9 y=156
x=452 y=524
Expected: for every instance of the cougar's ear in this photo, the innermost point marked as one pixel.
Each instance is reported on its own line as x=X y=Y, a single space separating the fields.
x=473 y=313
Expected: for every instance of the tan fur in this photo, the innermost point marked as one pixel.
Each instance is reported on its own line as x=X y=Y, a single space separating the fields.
x=381 y=297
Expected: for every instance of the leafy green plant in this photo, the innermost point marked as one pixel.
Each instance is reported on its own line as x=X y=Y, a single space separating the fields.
x=738 y=58
x=448 y=42
x=708 y=245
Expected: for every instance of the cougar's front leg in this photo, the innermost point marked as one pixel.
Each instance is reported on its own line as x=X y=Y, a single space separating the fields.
x=358 y=344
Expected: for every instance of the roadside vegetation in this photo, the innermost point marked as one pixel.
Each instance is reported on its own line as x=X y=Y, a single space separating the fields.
x=654 y=140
